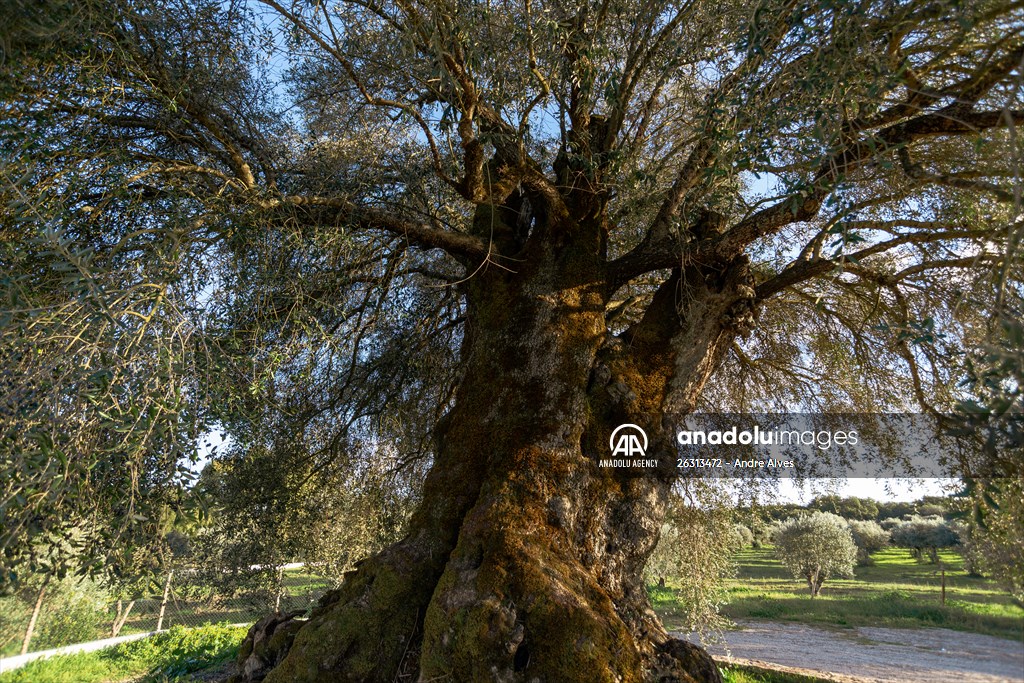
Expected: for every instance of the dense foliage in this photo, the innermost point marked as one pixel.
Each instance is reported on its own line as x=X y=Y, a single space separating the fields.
x=695 y=551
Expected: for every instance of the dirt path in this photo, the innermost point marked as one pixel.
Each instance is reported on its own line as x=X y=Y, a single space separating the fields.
x=876 y=655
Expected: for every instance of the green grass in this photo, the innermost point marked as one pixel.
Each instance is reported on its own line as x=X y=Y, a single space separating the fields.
x=169 y=656
x=896 y=591
x=750 y=674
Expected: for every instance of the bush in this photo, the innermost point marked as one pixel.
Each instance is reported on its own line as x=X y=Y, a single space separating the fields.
x=870 y=537
x=816 y=546
x=924 y=536
x=73 y=612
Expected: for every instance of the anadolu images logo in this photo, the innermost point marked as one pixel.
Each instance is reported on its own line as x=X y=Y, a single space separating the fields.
x=628 y=440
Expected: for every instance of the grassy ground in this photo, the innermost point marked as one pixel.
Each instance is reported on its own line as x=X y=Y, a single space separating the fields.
x=895 y=592
x=171 y=656
x=300 y=592
x=749 y=674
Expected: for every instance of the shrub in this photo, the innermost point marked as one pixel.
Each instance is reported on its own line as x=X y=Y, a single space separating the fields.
x=870 y=537
x=816 y=546
x=73 y=611
x=924 y=536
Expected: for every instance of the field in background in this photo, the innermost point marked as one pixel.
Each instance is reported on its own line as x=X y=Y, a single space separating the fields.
x=68 y=620
x=896 y=591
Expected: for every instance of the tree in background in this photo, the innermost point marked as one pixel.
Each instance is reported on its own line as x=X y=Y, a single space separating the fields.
x=272 y=507
x=895 y=510
x=924 y=537
x=816 y=546
x=870 y=537
x=694 y=550
x=850 y=507
x=743 y=537
x=488 y=234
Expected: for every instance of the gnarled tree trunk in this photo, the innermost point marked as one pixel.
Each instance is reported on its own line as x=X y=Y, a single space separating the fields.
x=524 y=559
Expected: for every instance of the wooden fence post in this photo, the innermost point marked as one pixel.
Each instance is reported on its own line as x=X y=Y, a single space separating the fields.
x=121 y=618
x=163 y=602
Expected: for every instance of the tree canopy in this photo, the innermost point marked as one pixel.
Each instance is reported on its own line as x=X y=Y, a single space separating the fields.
x=314 y=225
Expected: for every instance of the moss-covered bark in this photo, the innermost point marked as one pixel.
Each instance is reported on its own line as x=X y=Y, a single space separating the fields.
x=524 y=560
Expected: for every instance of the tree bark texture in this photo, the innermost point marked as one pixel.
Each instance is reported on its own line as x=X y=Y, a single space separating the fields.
x=523 y=562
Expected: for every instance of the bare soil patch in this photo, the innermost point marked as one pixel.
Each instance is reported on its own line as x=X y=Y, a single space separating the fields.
x=875 y=655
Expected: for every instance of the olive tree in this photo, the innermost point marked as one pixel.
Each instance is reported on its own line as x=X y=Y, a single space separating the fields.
x=816 y=546
x=924 y=536
x=270 y=507
x=741 y=537
x=489 y=234
x=870 y=537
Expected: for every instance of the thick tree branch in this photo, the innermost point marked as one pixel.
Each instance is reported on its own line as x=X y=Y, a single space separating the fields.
x=341 y=211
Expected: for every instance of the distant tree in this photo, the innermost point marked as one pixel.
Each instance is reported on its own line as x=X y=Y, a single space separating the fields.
x=870 y=537
x=815 y=547
x=895 y=509
x=742 y=537
x=759 y=530
x=273 y=507
x=849 y=508
x=931 y=510
x=890 y=523
x=924 y=537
